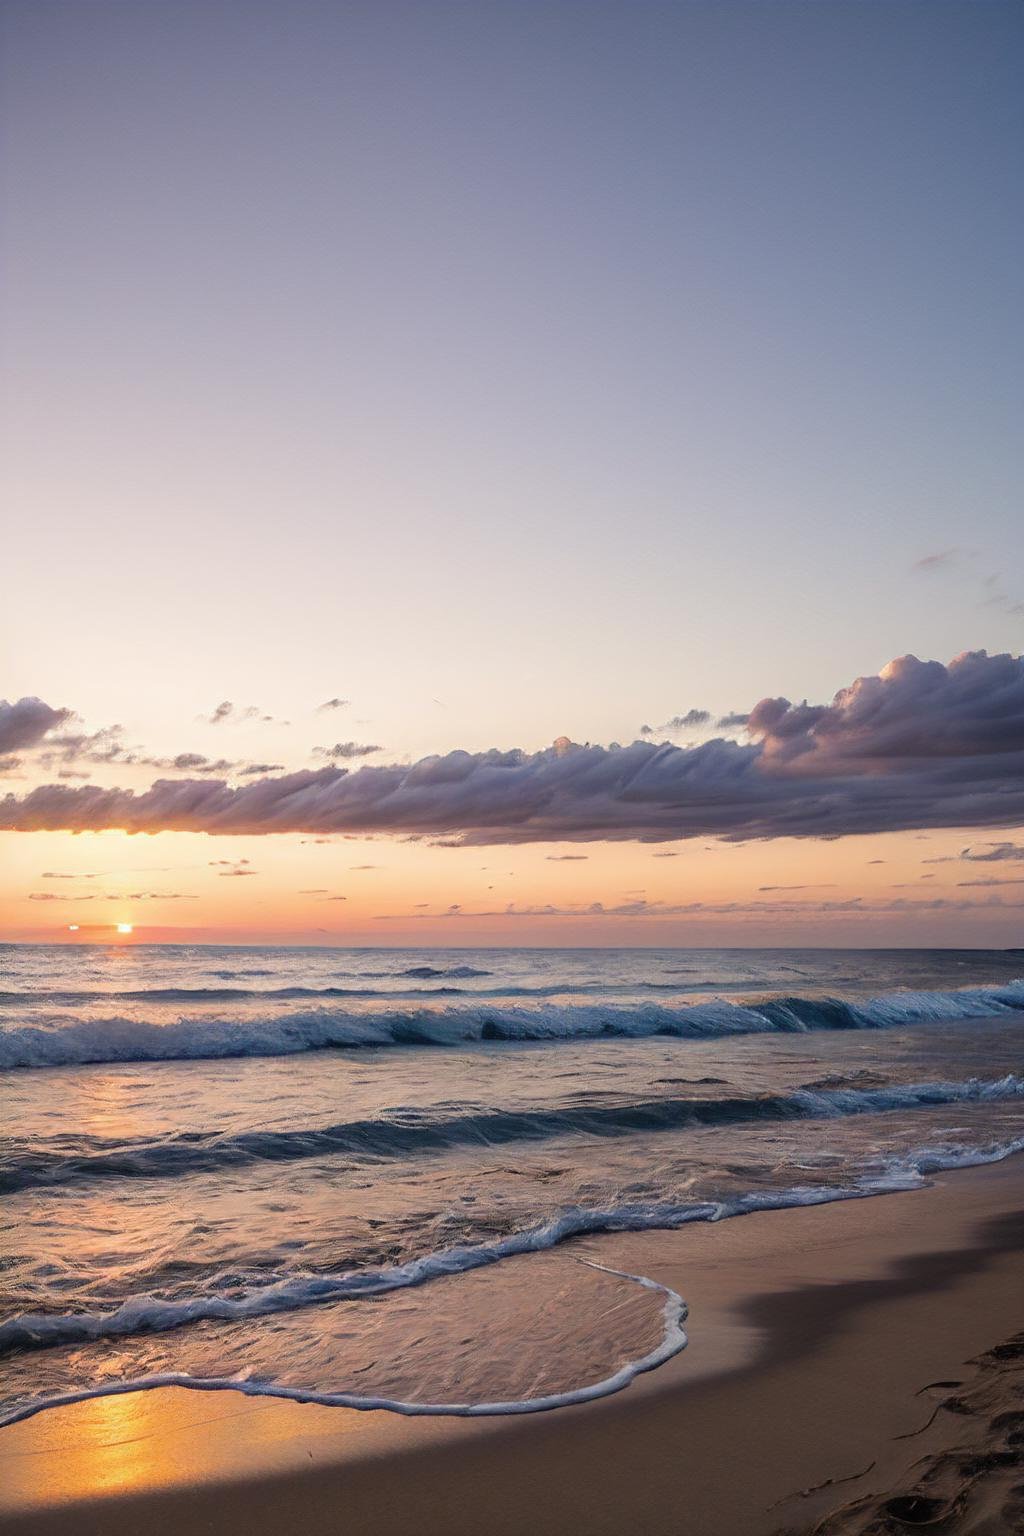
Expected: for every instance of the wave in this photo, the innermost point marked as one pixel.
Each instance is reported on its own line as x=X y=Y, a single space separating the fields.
x=673 y=1340
x=31 y=1166
x=151 y=1314
x=428 y=972
x=286 y=1033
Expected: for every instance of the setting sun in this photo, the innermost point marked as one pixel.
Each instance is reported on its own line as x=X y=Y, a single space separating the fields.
x=124 y=927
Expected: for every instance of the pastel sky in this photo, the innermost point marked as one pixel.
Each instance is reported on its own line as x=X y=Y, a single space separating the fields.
x=515 y=374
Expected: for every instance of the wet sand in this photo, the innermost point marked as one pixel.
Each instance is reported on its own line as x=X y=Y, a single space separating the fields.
x=816 y=1338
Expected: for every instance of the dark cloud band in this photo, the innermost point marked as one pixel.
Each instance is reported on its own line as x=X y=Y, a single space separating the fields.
x=919 y=746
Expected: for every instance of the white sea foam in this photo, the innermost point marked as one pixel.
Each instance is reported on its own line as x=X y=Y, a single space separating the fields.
x=147 y=1314
x=673 y=1340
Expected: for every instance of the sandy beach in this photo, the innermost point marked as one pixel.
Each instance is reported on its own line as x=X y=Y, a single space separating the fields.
x=841 y=1358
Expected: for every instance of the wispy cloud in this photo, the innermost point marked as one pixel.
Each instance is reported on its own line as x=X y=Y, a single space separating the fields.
x=941 y=559
x=226 y=710
x=983 y=853
x=853 y=906
x=344 y=751
x=990 y=590
x=813 y=887
x=230 y=867
x=992 y=880
x=112 y=896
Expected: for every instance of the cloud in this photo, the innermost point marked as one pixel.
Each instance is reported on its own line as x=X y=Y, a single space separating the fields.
x=919 y=746
x=228 y=711
x=567 y=858
x=252 y=770
x=940 y=559
x=228 y=867
x=993 y=853
x=188 y=762
x=854 y=906
x=731 y=722
x=913 y=715
x=694 y=719
x=114 y=896
x=982 y=853
x=345 y=750
x=25 y=722
x=814 y=887
x=332 y=704
x=689 y=721
x=1010 y=880
x=103 y=746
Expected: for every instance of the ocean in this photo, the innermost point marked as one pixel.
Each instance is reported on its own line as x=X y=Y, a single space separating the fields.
x=302 y=1172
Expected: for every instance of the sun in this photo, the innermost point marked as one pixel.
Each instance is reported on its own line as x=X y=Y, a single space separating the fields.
x=124 y=927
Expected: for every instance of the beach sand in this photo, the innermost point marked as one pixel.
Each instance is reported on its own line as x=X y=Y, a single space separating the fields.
x=847 y=1364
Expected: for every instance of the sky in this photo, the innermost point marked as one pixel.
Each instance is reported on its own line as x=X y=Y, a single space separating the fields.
x=531 y=378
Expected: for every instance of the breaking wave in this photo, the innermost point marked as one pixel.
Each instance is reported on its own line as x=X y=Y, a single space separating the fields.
x=60 y=1042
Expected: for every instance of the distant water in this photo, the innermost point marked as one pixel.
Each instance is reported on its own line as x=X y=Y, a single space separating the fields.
x=242 y=1166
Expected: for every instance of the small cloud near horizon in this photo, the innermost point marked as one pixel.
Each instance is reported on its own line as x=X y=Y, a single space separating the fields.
x=344 y=751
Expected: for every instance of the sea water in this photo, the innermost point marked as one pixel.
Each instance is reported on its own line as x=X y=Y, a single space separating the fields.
x=299 y=1171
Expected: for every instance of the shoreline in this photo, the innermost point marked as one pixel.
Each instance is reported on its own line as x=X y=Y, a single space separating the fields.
x=811 y=1331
